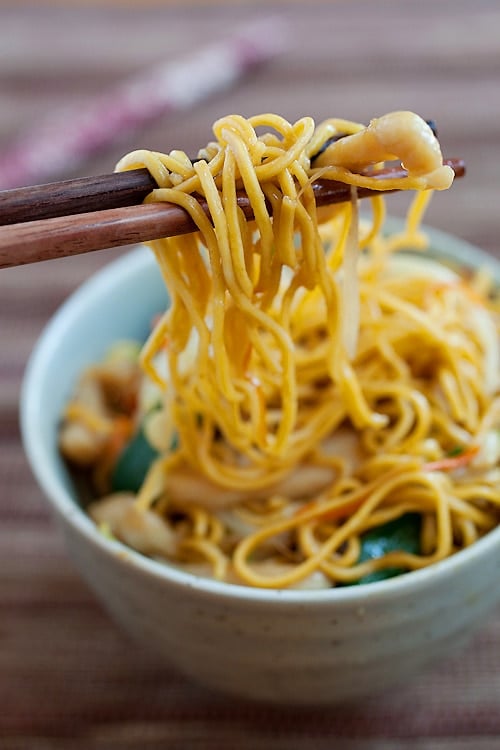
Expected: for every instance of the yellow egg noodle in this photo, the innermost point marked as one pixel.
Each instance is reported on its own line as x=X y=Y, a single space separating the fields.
x=312 y=380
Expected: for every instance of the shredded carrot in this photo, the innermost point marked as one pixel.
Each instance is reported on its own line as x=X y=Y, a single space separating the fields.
x=343 y=510
x=121 y=431
x=155 y=320
x=452 y=462
x=350 y=506
x=129 y=403
x=462 y=286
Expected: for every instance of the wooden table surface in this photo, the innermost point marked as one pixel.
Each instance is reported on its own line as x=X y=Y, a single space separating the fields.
x=68 y=677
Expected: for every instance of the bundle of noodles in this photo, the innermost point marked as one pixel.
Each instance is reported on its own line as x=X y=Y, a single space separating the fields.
x=312 y=383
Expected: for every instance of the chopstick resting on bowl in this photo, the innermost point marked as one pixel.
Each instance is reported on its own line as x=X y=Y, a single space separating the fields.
x=93 y=213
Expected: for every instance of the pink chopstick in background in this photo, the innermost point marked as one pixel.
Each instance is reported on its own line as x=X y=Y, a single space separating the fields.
x=71 y=135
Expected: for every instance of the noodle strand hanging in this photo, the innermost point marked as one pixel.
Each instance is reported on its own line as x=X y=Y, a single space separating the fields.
x=312 y=382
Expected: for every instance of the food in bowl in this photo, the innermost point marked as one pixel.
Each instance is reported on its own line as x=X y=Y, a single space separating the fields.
x=317 y=407
x=277 y=645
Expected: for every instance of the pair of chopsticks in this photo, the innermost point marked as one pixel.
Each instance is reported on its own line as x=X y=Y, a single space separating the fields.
x=67 y=218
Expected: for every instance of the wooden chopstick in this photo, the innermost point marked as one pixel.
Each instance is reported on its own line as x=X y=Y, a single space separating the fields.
x=44 y=239
x=81 y=195
x=87 y=194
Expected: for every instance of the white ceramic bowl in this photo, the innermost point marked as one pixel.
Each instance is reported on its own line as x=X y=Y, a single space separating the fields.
x=282 y=646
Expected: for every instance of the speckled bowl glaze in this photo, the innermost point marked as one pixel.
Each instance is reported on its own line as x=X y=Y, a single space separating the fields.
x=281 y=646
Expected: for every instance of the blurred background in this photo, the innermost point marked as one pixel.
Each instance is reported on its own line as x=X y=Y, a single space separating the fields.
x=80 y=85
x=355 y=59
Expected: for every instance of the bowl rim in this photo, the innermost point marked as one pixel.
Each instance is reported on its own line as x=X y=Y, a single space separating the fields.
x=64 y=505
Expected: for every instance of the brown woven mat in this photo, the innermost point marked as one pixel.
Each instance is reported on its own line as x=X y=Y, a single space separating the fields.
x=68 y=677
